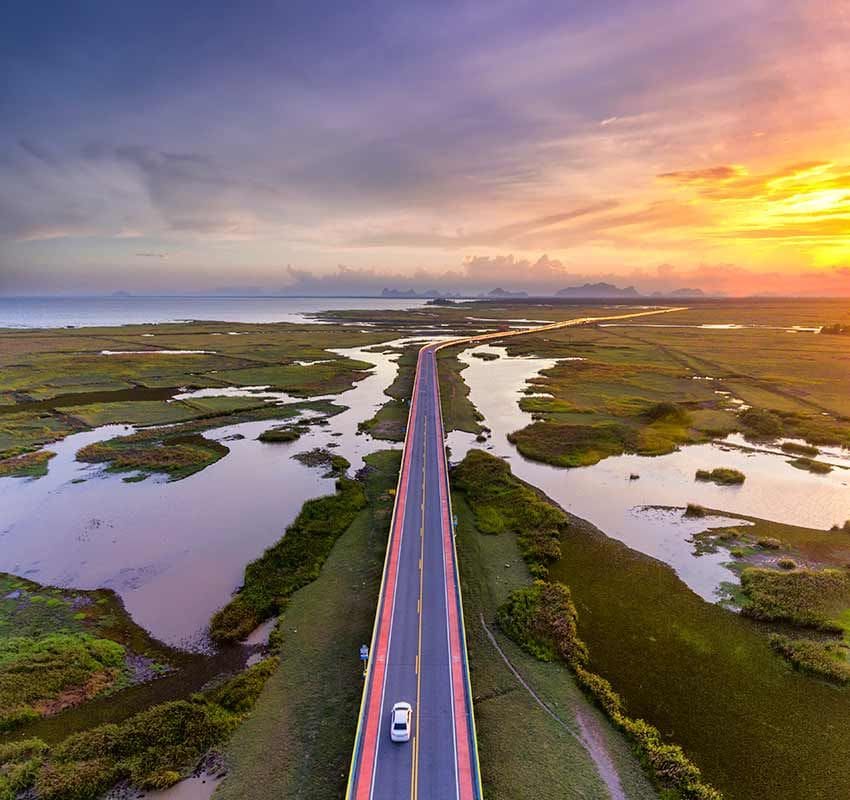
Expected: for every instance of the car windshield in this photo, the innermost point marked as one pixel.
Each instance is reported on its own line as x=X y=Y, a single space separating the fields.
x=399 y=726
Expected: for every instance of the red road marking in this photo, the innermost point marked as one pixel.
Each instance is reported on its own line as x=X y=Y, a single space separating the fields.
x=377 y=678
x=462 y=734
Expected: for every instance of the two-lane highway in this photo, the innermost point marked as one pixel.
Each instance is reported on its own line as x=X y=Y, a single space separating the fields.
x=418 y=652
x=418 y=649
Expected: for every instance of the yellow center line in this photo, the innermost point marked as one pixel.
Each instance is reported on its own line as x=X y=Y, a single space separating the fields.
x=414 y=792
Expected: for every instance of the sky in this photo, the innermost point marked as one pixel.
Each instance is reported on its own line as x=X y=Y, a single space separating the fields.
x=338 y=147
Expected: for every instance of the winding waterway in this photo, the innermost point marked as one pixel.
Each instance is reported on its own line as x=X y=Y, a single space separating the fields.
x=175 y=551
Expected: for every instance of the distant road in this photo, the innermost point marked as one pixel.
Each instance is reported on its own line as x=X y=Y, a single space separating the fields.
x=418 y=650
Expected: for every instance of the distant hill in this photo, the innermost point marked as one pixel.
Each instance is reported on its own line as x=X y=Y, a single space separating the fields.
x=595 y=290
x=500 y=292
x=681 y=293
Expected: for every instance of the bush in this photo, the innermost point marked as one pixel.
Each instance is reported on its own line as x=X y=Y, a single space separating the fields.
x=695 y=510
x=241 y=692
x=542 y=619
x=279 y=435
x=786 y=563
x=793 y=448
x=723 y=476
x=760 y=423
x=769 y=543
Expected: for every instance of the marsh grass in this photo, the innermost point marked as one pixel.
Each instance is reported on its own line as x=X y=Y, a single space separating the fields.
x=28 y=465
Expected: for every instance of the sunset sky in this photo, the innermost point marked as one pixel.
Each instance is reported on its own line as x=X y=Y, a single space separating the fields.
x=343 y=147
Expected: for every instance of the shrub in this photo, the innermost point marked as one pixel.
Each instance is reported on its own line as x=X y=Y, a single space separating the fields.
x=723 y=476
x=695 y=510
x=760 y=423
x=241 y=692
x=279 y=435
x=817 y=467
x=769 y=543
x=797 y=449
x=542 y=619
x=786 y=563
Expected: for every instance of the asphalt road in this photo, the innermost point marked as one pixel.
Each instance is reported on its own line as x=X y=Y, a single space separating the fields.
x=419 y=652
x=418 y=645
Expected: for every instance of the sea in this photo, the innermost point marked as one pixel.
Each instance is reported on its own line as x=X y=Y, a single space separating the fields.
x=63 y=312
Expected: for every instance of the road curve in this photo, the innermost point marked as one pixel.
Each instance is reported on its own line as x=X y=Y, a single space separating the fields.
x=418 y=649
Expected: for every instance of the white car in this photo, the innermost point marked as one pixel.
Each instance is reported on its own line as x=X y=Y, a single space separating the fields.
x=400 y=722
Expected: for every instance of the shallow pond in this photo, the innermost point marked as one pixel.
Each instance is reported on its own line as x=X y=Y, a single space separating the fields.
x=623 y=508
x=175 y=551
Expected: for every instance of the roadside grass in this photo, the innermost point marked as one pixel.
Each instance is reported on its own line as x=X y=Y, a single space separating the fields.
x=297 y=743
x=541 y=617
x=459 y=414
x=524 y=751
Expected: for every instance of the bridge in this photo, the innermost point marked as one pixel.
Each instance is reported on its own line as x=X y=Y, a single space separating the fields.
x=418 y=650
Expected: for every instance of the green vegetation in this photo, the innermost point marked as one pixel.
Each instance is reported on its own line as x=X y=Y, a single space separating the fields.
x=797 y=449
x=177 y=455
x=502 y=503
x=319 y=457
x=824 y=658
x=28 y=465
x=722 y=476
x=459 y=414
x=805 y=597
x=151 y=750
x=61 y=647
x=486 y=356
x=288 y=434
x=551 y=744
x=293 y=562
x=673 y=659
x=695 y=510
x=761 y=424
x=298 y=739
x=53 y=383
x=542 y=619
x=808 y=464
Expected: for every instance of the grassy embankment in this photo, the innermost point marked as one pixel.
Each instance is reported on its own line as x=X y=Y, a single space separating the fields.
x=28 y=465
x=61 y=647
x=56 y=382
x=298 y=740
x=541 y=618
x=459 y=414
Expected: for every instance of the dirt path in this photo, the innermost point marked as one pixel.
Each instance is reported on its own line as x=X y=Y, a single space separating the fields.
x=589 y=735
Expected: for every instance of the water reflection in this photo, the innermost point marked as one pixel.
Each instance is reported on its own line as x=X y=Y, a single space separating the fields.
x=176 y=551
x=604 y=494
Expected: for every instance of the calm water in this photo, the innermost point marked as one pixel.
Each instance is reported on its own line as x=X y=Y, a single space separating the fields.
x=58 y=312
x=604 y=495
x=176 y=551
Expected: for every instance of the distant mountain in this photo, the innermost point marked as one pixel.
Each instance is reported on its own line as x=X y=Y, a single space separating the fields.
x=399 y=294
x=595 y=290
x=121 y=293
x=500 y=293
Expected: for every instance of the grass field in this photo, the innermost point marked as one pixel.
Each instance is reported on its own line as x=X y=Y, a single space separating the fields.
x=55 y=382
